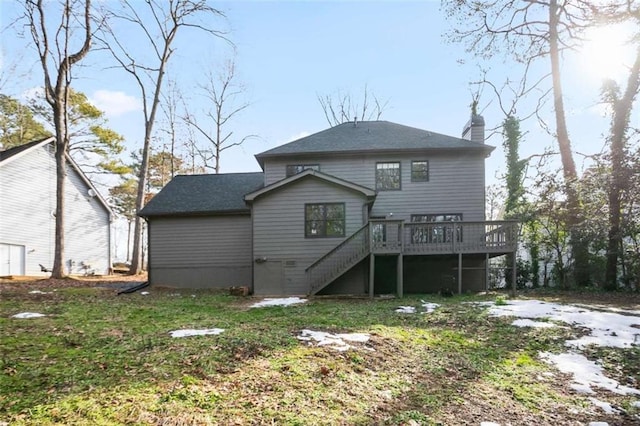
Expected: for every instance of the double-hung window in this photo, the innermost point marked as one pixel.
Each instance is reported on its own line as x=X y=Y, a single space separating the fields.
x=324 y=220
x=388 y=176
x=420 y=171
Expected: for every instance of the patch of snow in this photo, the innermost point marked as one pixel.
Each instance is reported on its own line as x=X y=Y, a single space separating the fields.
x=386 y=394
x=192 y=332
x=610 y=329
x=144 y=293
x=24 y=315
x=429 y=307
x=278 y=302
x=598 y=424
x=39 y=292
x=605 y=406
x=635 y=404
x=526 y=322
x=489 y=424
x=586 y=374
x=334 y=341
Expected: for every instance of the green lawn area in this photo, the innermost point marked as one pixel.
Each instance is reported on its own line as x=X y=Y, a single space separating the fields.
x=99 y=358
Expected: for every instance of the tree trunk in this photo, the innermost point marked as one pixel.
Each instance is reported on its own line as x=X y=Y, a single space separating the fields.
x=61 y=175
x=136 y=256
x=578 y=246
x=620 y=124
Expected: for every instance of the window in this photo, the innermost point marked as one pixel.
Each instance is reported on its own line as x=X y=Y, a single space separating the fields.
x=420 y=171
x=435 y=233
x=294 y=169
x=388 y=176
x=324 y=220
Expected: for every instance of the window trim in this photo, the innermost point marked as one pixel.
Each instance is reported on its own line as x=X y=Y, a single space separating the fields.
x=378 y=187
x=314 y=166
x=324 y=221
x=421 y=179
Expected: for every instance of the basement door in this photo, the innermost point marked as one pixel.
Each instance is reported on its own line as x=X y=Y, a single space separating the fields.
x=11 y=259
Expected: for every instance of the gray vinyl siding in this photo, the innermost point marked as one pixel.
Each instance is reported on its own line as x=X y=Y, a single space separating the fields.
x=279 y=238
x=200 y=252
x=456 y=182
x=27 y=200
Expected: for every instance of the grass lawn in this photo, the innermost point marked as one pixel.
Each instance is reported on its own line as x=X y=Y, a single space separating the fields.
x=98 y=358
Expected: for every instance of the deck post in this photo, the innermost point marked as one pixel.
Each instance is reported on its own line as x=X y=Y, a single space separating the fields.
x=460 y=273
x=514 y=274
x=399 y=282
x=372 y=272
x=486 y=272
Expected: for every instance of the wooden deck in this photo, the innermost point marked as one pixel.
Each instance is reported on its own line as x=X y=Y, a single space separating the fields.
x=400 y=238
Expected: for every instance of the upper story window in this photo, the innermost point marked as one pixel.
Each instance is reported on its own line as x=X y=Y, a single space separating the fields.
x=324 y=220
x=294 y=169
x=420 y=171
x=388 y=176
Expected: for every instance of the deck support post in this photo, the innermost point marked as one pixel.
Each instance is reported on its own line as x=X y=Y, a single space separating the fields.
x=486 y=272
x=514 y=275
x=460 y=273
x=372 y=273
x=399 y=279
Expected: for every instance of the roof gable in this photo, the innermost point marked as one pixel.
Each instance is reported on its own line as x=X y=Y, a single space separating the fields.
x=204 y=194
x=368 y=136
x=368 y=192
x=14 y=153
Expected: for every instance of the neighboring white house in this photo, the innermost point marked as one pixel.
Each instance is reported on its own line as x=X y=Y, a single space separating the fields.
x=27 y=215
x=360 y=208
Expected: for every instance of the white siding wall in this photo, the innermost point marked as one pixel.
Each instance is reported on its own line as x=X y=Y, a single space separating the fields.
x=456 y=182
x=200 y=252
x=278 y=232
x=27 y=200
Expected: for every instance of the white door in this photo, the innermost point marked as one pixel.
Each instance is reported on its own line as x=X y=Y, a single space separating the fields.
x=11 y=259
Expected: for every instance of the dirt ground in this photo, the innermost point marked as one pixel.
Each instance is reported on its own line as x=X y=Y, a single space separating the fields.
x=16 y=283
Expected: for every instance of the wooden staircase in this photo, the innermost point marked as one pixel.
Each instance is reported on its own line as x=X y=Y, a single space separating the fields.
x=339 y=260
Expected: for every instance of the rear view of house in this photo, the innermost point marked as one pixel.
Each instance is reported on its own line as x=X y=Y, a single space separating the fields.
x=361 y=208
x=27 y=215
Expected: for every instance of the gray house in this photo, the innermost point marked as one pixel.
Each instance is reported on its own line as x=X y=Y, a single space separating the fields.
x=27 y=215
x=360 y=208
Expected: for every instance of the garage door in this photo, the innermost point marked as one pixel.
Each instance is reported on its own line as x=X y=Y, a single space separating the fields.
x=11 y=259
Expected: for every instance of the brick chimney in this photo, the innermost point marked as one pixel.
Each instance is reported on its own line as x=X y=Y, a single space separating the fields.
x=474 y=129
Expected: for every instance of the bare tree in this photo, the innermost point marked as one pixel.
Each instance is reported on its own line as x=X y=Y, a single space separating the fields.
x=57 y=58
x=158 y=23
x=223 y=92
x=343 y=107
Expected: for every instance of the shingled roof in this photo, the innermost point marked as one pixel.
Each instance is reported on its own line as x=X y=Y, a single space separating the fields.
x=204 y=194
x=370 y=136
x=10 y=152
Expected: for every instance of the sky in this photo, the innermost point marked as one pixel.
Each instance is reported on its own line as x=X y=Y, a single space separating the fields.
x=290 y=52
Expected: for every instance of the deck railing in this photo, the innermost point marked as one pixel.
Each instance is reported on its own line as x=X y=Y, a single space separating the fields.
x=339 y=260
x=392 y=236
